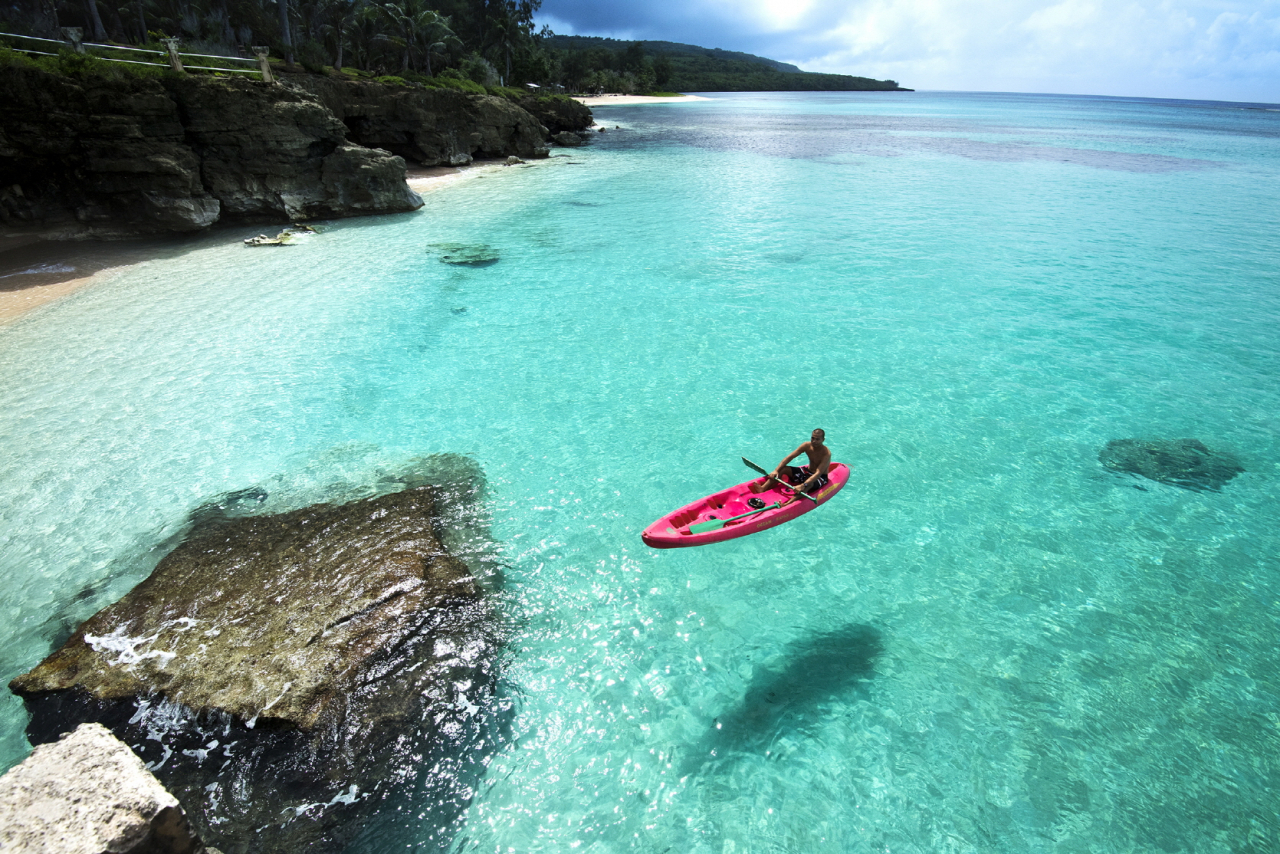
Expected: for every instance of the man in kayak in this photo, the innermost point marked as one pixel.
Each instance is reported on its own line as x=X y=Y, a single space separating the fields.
x=805 y=478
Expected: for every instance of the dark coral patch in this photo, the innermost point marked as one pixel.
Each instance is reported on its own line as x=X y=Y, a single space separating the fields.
x=1186 y=463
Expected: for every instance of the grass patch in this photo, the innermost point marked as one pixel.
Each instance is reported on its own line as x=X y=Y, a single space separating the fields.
x=509 y=92
x=665 y=94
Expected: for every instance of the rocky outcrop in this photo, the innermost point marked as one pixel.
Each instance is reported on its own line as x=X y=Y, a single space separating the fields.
x=89 y=794
x=117 y=156
x=106 y=157
x=559 y=113
x=272 y=152
x=568 y=139
x=431 y=127
x=1185 y=463
x=282 y=672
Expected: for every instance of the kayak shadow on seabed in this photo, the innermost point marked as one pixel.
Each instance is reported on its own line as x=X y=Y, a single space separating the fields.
x=818 y=668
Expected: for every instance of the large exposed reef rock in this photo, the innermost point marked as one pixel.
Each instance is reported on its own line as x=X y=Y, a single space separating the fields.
x=89 y=794
x=1178 y=462
x=102 y=156
x=285 y=673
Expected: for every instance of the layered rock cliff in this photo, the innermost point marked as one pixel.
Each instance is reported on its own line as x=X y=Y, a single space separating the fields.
x=107 y=157
x=431 y=127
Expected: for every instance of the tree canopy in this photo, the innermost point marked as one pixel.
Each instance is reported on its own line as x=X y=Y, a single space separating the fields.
x=489 y=42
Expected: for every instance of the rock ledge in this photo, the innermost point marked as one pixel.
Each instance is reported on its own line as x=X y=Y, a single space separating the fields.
x=89 y=794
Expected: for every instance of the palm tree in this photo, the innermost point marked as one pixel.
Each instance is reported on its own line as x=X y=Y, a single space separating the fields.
x=364 y=31
x=283 y=6
x=501 y=33
x=439 y=36
x=339 y=15
x=418 y=28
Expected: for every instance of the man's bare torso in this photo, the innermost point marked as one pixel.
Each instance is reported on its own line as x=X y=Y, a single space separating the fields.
x=819 y=456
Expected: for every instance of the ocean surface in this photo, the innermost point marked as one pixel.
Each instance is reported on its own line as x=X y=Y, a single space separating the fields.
x=987 y=642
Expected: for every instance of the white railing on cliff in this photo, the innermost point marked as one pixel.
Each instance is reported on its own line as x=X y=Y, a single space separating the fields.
x=74 y=40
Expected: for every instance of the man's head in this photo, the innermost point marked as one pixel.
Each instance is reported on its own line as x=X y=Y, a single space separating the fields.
x=818 y=436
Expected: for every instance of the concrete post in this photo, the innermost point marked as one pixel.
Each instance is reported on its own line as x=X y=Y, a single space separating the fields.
x=75 y=35
x=175 y=61
x=263 y=65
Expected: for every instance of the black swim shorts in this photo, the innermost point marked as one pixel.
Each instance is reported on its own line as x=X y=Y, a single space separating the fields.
x=800 y=475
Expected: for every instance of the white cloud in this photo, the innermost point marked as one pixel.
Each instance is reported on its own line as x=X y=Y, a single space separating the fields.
x=770 y=16
x=1144 y=47
x=1223 y=49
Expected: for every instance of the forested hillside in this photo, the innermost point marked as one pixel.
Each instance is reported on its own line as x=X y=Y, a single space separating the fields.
x=596 y=64
x=488 y=42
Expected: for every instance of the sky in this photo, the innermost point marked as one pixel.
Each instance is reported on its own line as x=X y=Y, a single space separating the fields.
x=1194 y=49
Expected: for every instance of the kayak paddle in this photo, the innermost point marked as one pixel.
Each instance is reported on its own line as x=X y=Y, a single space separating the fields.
x=752 y=465
x=717 y=524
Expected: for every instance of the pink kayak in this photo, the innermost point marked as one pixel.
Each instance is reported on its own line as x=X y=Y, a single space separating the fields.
x=712 y=519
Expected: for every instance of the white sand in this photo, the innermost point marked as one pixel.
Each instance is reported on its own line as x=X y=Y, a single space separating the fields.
x=14 y=304
x=612 y=100
x=38 y=272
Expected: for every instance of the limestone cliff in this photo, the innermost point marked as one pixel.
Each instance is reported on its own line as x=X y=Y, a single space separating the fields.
x=432 y=127
x=106 y=157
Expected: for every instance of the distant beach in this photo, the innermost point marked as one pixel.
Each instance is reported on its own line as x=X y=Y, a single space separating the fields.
x=618 y=100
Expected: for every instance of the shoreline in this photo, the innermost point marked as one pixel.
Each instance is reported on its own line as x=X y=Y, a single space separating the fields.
x=619 y=100
x=36 y=271
x=39 y=271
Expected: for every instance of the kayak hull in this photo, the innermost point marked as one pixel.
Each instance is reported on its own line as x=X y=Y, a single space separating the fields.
x=672 y=530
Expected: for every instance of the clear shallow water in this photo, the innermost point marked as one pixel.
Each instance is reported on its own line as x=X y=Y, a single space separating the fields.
x=987 y=642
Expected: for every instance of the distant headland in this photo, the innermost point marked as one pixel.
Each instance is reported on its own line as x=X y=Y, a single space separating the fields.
x=597 y=65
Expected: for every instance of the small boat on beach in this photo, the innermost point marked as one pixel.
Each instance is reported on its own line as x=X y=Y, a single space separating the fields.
x=726 y=515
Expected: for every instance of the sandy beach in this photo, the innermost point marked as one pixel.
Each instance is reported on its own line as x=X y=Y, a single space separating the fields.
x=38 y=272
x=35 y=272
x=619 y=100
x=424 y=179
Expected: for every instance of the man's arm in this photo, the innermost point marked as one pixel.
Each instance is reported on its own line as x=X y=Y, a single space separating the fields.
x=803 y=449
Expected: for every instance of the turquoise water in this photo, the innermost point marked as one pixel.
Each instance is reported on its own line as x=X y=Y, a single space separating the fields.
x=987 y=642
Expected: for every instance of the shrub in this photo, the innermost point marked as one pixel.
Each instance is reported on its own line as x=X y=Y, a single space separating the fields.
x=461 y=85
x=476 y=67
x=392 y=80
x=11 y=58
x=509 y=92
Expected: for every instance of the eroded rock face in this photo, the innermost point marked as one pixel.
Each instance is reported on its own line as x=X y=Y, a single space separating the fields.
x=108 y=158
x=558 y=113
x=272 y=152
x=89 y=794
x=105 y=157
x=432 y=127
x=282 y=673
x=1186 y=463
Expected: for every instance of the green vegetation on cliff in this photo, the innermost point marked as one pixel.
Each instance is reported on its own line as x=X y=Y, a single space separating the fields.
x=471 y=45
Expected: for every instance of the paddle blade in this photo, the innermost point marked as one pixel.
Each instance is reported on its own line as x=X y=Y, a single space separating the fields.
x=752 y=465
x=703 y=527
